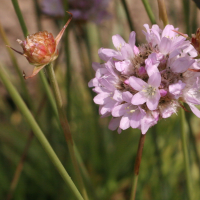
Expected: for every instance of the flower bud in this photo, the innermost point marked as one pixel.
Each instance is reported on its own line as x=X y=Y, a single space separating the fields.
x=195 y=41
x=41 y=48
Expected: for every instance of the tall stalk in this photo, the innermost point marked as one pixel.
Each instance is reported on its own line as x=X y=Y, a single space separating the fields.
x=38 y=133
x=65 y=127
x=137 y=166
x=149 y=11
x=185 y=154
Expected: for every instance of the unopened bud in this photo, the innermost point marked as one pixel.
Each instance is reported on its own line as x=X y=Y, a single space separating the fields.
x=41 y=48
x=195 y=41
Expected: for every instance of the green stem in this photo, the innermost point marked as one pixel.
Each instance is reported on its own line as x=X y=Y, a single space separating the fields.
x=38 y=133
x=49 y=93
x=68 y=65
x=65 y=127
x=137 y=166
x=15 y=64
x=186 y=8
x=128 y=15
x=149 y=11
x=20 y=17
x=185 y=154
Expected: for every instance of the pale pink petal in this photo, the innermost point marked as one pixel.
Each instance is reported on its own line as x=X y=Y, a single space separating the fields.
x=94 y=82
x=152 y=102
x=162 y=92
x=119 y=110
x=180 y=65
x=165 y=45
x=194 y=109
x=124 y=123
x=127 y=96
x=100 y=98
x=96 y=66
x=117 y=95
x=138 y=99
x=114 y=123
x=127 y=52
x=131 y=40
x=118 y=41
x=137 y=83
x=155 y=80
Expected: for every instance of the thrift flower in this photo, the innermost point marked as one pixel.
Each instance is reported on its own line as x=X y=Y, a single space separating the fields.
x=138 y=86
x=82 y=10
x=41 y=48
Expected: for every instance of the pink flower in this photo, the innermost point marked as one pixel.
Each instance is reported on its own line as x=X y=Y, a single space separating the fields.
x=140 y=85
x=148 y=92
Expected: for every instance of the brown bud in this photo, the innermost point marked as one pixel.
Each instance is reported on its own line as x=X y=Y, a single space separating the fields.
x=195 y=41
x=41 y=48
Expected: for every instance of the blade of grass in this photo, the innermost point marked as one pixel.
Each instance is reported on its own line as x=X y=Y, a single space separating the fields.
x=65 y=127
x=149 y=11
x=38 y=133
x=185 y=154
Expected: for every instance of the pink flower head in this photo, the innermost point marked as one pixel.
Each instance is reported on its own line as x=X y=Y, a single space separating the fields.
x=140 y=85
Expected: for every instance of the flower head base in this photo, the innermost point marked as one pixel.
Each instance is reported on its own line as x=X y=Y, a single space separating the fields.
x=140 y=85
x=41 y=48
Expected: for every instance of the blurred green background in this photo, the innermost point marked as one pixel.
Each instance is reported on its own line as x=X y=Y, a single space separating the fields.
x=108 y=157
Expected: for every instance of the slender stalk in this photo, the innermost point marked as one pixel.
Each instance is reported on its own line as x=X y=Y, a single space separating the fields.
x=19 y=167
x=186 y=8
x=162 y=12
x=68 y=65
x=149 y=11
x=128 y=15
x=185 y=154
x=20 y=17
x=65 y=127
x=48 y=93
x=137 y=166
x=38 y=133
x=15 y=64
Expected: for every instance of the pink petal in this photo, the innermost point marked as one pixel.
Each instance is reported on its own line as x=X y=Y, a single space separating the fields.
x=194 y=109
x=165 y=45
x=131 y=40
x=127 y=96
x=117 y=95
x=136 y=83
x=124 y=123
x=138 y=99
x=94 y=82
x=152 y=102
x=118 y=41
x=100 y=98
x=120 y=110
x=180 y=65
x=114 y=123
x=155 y=80
x=127 y=52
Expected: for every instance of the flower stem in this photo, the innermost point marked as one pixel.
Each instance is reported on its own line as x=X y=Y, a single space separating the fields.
x=185 y=154
x=20 y=17
x=162 y=12
x=128 y=15
x=186 y=8
x=137 y=166
x=149 y=11
x=65 y=127
x=38 y=133
x=15 y=64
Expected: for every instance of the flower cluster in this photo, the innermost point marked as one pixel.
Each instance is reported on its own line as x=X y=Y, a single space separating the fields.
x=140 y=85
x=82 y=10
